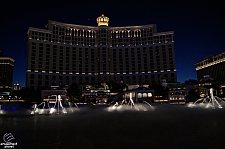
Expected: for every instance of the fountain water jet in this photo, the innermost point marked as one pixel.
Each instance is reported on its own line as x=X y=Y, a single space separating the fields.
x=40 y=109
x=130 y=105
x=1 y=111
x=59 y=105
x=57 y=108
x=210 y=101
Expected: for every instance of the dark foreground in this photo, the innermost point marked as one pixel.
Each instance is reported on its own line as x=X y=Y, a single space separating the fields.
x=168 y=127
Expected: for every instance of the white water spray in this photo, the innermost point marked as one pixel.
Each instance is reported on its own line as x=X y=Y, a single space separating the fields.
x=210 y=101
x=130 y=105
x=58 y=107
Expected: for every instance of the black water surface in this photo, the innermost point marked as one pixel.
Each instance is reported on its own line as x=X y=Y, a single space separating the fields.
x=168 y=126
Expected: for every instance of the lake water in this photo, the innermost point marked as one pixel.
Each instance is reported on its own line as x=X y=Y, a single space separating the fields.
x=168 y=126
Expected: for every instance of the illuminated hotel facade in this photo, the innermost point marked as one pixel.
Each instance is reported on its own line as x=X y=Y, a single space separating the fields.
x=214 y=66
x=65 y=53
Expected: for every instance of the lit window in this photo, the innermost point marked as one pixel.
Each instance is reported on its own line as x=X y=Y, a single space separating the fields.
x=149 y=94
x=144 y=94
x=139 y=95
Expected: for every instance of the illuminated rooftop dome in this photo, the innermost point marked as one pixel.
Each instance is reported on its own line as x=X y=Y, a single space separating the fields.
x=103 y=20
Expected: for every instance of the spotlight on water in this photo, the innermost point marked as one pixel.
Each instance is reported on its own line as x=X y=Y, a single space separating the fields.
x=210 y=101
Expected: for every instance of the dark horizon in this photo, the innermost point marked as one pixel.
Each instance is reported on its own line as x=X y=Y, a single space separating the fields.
x=198 y=26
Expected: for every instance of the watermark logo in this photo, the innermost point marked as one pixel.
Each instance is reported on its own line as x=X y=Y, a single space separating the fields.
x=7 y=138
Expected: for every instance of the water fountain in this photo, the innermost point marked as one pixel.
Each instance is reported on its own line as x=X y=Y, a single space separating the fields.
x=130 y=105
x=210 y=101
x=1 y=111
x=41 y=108
x=44 y=107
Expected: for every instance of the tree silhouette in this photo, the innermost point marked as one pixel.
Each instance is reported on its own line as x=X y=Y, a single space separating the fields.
x=73 y=92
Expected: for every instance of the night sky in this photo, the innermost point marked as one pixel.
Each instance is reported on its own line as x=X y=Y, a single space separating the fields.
x=199 y=27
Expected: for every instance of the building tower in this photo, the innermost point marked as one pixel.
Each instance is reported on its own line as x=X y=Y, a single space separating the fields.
x=16 y=86
x=64 y=53
x=6 y=71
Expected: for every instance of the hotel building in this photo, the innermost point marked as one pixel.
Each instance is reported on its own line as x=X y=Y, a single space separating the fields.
x=214 y=66
x=6 y=71
x=65 y=53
